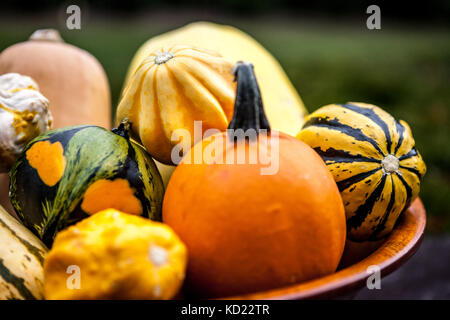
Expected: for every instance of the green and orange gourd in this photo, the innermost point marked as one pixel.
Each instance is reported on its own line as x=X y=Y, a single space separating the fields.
x=68 y=174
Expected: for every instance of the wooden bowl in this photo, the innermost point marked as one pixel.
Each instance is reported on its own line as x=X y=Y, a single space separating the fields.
x=401 y=244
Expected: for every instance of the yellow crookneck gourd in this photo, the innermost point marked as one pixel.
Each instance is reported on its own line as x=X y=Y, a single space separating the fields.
x=172 y=88
x=24 y=115
x=374 y=161
x=117 y=256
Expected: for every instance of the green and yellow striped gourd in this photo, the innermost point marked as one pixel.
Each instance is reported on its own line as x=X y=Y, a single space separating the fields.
x=68 y=174
x=373 y=159
x=21 y=261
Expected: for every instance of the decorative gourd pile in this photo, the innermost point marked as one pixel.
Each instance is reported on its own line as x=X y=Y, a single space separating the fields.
x=283 y=105
x=70 y=78
x=261 y=224
x=248 y=209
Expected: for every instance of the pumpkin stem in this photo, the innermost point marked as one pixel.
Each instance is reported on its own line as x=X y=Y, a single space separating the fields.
x=162 y=57
x=51 y=35
x=123 y=129
x=248 y=106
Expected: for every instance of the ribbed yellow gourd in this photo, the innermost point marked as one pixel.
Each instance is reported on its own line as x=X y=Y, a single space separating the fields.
x=174 y=87
x=373 y=159
x=282 y=104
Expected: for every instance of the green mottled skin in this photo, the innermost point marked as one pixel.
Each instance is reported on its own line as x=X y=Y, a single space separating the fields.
x=91 y=153
x=152 y=189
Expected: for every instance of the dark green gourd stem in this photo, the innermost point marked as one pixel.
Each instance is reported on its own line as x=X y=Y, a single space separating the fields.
x=123 y=129
x=248 y=106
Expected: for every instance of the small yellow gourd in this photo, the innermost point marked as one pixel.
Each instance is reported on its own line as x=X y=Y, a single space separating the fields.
x=24 y=115
x=173 y=87
x=114 y=255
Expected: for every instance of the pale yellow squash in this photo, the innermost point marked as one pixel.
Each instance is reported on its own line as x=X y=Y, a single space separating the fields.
x=174 y=87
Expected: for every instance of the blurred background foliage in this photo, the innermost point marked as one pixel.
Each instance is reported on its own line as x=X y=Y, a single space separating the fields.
x=324 y=46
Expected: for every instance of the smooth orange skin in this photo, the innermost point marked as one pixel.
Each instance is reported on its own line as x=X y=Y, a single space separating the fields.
x=48 y=160
x=105 y=193
x=248 y=232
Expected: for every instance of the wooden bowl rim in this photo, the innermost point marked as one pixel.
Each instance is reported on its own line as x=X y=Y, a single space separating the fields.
x=401 y=244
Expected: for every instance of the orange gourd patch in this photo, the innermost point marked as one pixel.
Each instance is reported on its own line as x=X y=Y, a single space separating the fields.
x=49 y=161
x=104 y=194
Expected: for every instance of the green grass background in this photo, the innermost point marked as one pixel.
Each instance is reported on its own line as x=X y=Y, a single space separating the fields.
x=405 y=70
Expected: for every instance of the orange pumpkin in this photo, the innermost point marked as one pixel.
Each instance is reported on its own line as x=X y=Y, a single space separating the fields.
x=260 y=224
